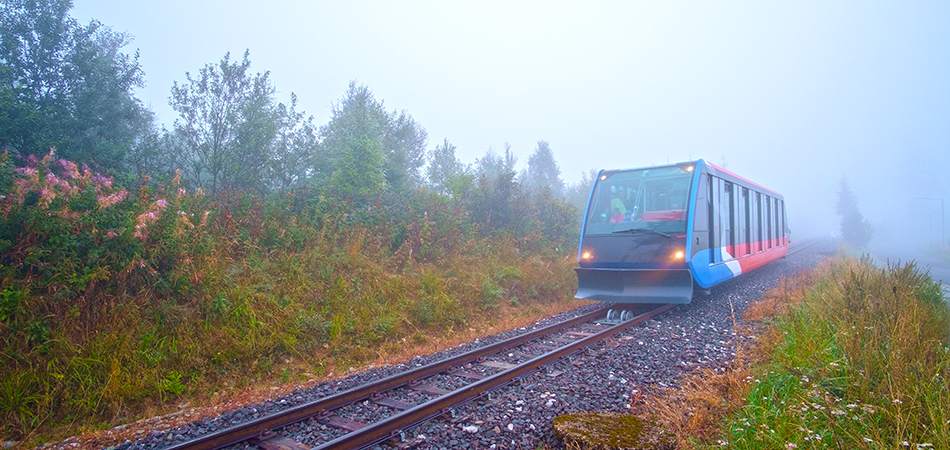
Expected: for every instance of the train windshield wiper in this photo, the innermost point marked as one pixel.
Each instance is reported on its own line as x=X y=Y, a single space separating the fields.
x=644 y=230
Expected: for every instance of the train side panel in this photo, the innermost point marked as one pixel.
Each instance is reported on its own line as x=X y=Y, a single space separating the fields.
x=738 y=226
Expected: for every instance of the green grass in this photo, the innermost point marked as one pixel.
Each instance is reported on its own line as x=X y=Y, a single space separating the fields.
x=862 y=363
x=116 y=304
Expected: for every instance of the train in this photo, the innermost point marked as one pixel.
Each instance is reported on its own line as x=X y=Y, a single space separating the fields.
x=663 y=234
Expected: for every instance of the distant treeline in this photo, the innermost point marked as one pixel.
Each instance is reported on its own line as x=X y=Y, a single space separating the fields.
x=69 y=86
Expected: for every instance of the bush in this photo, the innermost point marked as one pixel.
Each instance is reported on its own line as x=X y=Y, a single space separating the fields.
x=116 y=298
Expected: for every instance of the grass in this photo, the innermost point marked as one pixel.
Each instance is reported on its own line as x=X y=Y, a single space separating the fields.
x=115 y=305
x=275 y=318
x=851 y=356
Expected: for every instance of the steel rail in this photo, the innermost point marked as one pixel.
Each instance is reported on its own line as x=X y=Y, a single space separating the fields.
x=382 y=430
x=802 y=245
x=258 y=427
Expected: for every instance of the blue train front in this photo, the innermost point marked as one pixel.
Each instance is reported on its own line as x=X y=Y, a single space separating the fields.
x=658 y=234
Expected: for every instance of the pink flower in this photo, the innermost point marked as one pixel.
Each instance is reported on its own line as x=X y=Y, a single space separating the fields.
x=101 y=181
x=146 y=217
x=70 y=170
x=105 y=201
x=162 y=203
x=46 y=197
x=25 y=170
x=110 y=234
x=22 y=184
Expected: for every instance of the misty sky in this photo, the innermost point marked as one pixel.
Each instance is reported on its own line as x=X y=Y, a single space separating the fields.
x=792 y=95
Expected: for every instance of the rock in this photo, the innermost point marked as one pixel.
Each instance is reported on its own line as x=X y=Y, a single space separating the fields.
x=610 y=431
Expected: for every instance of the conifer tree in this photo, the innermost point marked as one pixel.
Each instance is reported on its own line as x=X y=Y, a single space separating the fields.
x=855 y=229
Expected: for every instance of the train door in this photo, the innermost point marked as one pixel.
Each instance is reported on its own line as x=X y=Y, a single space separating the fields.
x=784 y=224
x=778 y=222
x=715 y=218
x=746 y=222
x=701 y=216
x=758 y=222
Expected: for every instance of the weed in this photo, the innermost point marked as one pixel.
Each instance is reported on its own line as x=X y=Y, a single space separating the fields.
x=171 y=383
x=115 y=299
x=856 y=356
x=19 y=395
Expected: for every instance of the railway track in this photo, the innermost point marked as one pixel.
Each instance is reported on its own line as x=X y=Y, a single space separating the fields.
x=422 y=393
x=472 y=374
x=803 y=245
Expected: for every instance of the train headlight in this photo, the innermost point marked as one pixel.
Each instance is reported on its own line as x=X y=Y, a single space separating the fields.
x=585 y=255
x=678 y=255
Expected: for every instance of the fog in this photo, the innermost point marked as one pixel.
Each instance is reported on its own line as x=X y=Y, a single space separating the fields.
x=792 y=95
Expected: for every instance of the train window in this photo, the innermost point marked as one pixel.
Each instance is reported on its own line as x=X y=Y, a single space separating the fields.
x=778 y=229
x=701 y=216
x=746 y=221
x=758 y=221
x=653 y=199
x=768 y=221
x=728 y=218
x=784 y=224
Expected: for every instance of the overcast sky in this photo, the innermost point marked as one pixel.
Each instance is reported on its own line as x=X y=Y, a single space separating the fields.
x=792 y=95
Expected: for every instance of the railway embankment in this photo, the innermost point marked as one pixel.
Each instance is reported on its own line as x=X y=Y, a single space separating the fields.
x=119 y=304
x=851 y=355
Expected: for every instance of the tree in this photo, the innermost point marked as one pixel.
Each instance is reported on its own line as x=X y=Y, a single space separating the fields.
x=360 y=171
x=150 y=154
x=855 y=230
x=228 y=123
x=579 y=193
x=500 y=202
x=445 y=170
x=543 y=172
x=493 y=165
x=359 y=116
x=66 y=86
x=295 y=144
x=405 y=150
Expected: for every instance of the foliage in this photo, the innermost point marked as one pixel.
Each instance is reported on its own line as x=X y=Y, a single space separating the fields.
x=296 y=139
x=359 y=121
x=862 y=362
x=360 y=171
x=228 y=124
x=114 y=299
x=578 y=193
x=405 y=151
x=326 y=246
x=66 y=86
x=73 y=235
x=446 y=174
x=492 y=165
x=855 y=230
x=543 y=172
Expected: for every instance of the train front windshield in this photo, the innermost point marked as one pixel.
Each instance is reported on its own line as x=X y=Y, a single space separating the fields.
x=654 y=199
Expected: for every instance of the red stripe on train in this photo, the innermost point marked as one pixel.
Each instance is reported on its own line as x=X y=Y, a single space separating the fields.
x=750 y=262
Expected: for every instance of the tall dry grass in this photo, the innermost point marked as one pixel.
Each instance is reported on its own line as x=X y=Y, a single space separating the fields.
x=849 y=356
x=117 y=303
